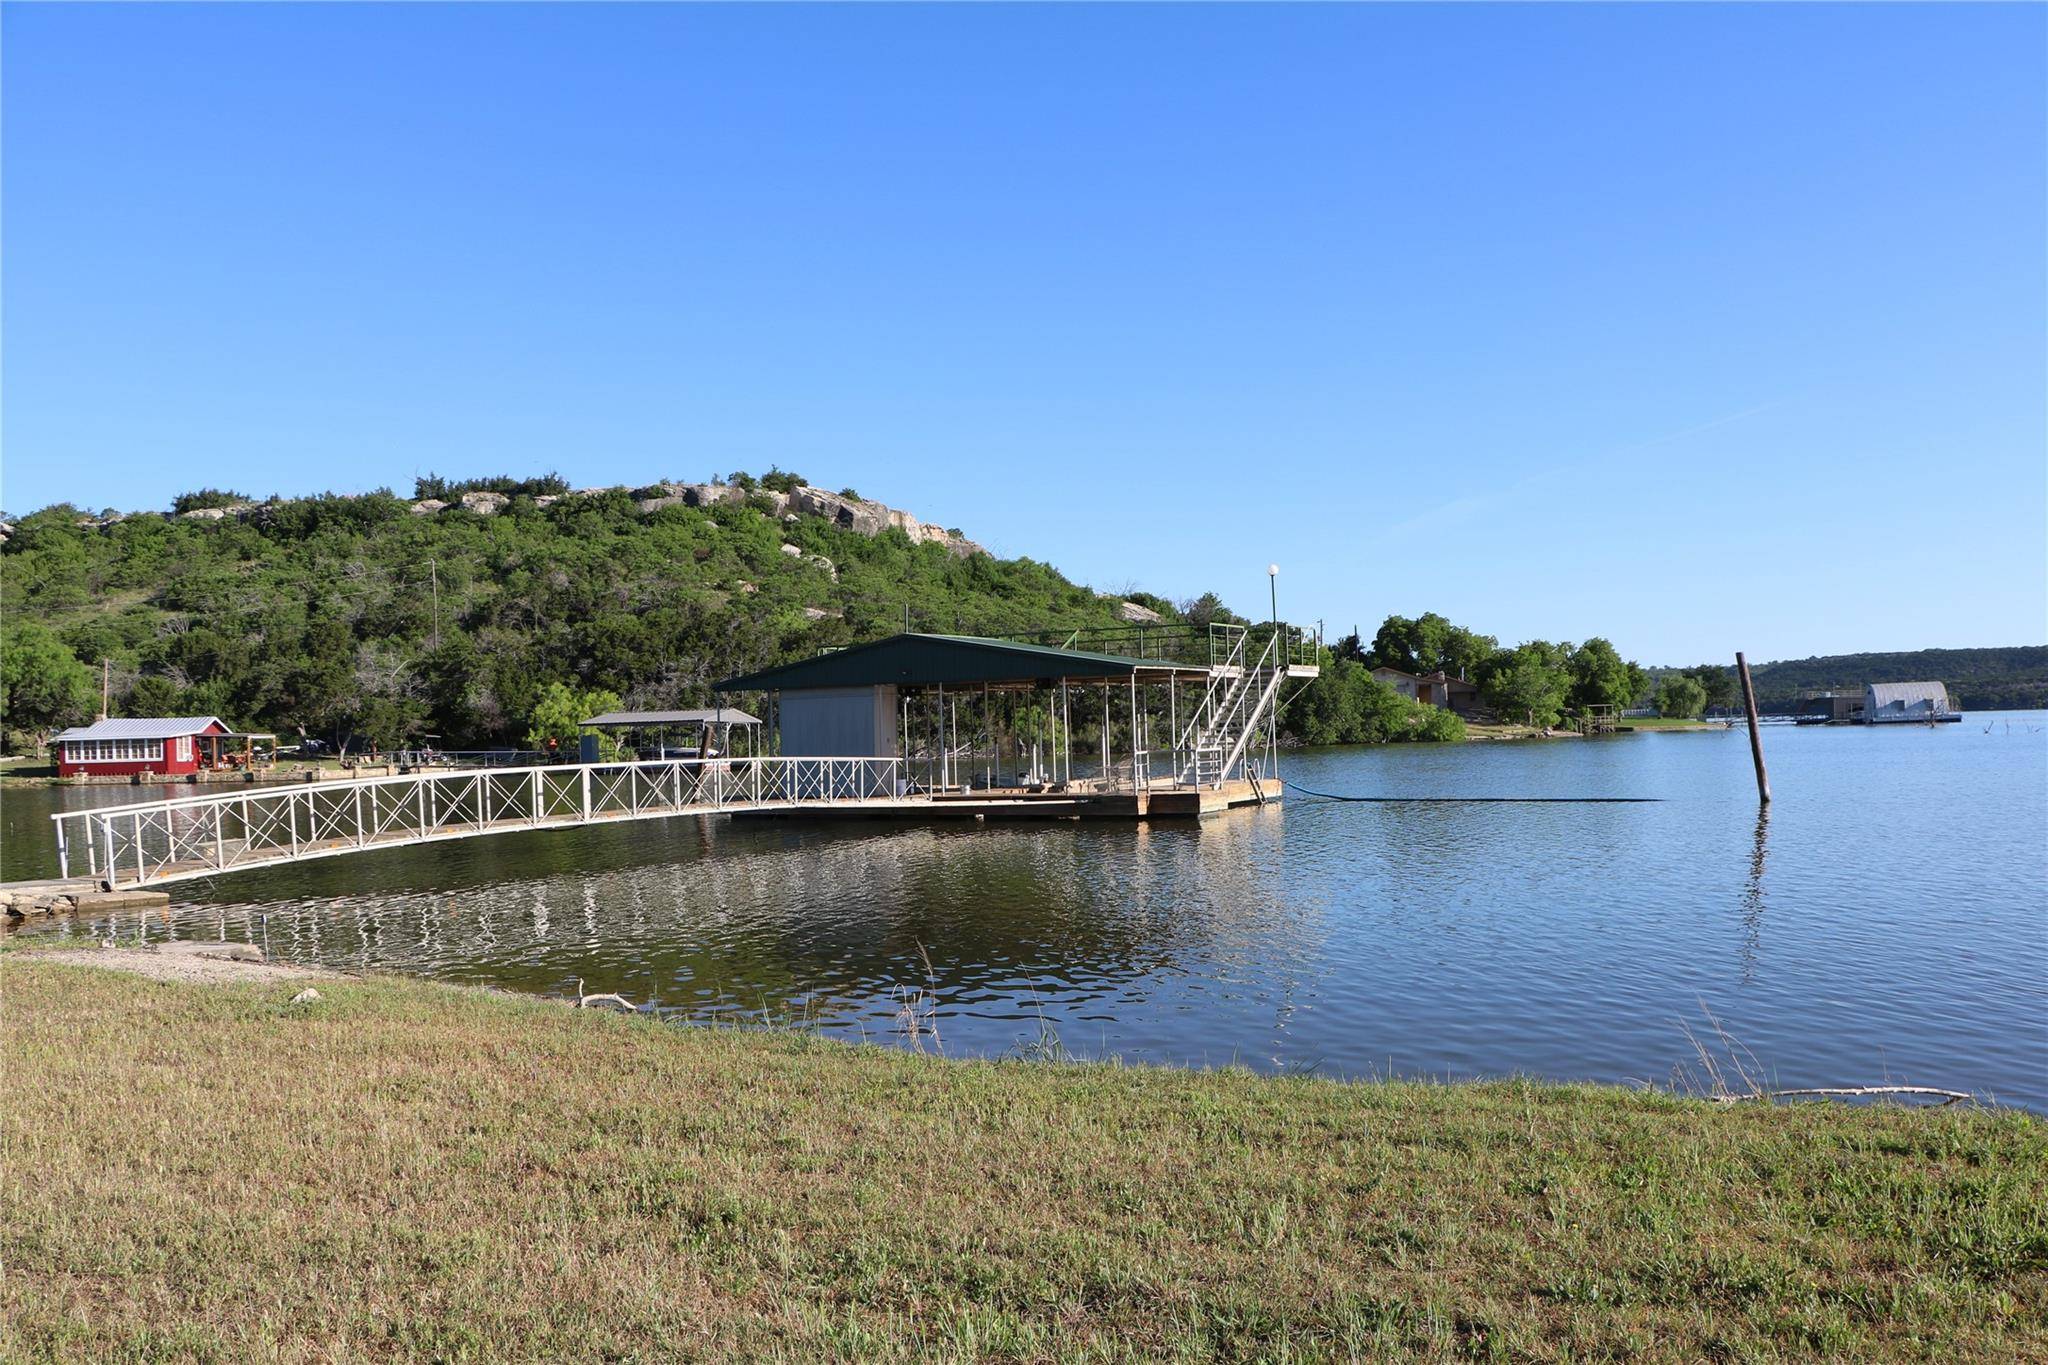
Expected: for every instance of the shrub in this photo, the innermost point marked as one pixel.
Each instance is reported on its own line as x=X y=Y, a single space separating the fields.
x=202 y=498
x=448 y=490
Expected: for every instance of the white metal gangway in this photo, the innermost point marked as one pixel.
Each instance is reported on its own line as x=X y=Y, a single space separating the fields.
x=151 y=842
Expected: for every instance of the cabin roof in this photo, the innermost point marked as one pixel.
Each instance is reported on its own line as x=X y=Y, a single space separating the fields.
x=144 y=727
x=920 y=660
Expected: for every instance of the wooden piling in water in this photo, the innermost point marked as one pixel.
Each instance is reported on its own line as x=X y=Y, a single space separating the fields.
x=1756 y=738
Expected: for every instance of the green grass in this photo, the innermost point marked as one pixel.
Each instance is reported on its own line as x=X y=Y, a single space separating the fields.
x=409 y=1172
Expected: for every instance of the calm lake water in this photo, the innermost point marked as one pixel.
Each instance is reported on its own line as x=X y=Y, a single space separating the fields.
x=1888 y=921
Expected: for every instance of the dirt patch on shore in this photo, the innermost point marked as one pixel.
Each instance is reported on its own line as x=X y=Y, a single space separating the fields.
x=193 y=966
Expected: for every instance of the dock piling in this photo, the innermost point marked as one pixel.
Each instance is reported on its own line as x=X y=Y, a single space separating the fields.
x=1756 y=738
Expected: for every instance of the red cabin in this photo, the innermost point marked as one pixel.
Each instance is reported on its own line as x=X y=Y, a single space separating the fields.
x=121 y=748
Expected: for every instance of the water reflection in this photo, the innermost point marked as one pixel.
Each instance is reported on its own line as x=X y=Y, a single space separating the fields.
x=1564 y=940
x=763 y=921
x=1753 y=896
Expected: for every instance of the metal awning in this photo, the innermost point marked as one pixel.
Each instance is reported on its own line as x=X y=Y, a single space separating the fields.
x=915 y=660
x=620 y=720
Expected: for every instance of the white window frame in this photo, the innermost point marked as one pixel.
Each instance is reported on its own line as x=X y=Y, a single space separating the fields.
x=150 y=751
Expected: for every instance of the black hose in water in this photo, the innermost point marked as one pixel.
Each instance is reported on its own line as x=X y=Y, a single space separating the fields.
x=1483 y=800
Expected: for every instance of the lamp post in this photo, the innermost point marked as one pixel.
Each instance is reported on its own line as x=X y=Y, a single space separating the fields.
x=1279 y=662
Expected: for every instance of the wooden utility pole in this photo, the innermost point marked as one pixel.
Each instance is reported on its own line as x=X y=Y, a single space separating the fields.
x=1756 y=738
x=106 y=685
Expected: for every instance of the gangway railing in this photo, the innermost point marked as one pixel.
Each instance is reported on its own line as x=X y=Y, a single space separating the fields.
x=1207 y=646
x=161 y=841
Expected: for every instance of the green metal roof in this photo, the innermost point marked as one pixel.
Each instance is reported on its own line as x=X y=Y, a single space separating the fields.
x=949 y=660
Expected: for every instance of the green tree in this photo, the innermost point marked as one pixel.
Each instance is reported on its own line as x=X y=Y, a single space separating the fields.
x=1430 y=643
x=43 y=686
x=1345 y=704
x=1601 y=677
x=1207 y=610
x=1717 y=681
x=154 y=695
x=559 y=713
x=1529 y=681
x=1463 y=651
x=1398 y=644
x=1680 y=696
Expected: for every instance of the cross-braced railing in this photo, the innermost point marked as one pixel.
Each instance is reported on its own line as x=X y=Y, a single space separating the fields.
x=196 y=836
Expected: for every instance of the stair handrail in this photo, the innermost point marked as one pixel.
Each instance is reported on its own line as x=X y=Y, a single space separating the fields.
x=1210 y=705
x=1274 y=672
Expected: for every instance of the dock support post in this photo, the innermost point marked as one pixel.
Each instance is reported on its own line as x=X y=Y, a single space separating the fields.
x=1756 y=738
x=1105 y=734
x=586 y=792
x=63 y=853
x=1135 y=784
x=1066 y=733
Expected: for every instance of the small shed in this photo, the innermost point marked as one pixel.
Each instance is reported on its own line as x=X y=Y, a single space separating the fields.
x=128 y=746
x=1407 y=684
x=1450 y=692
x=1895 y=703
x=1436 y=689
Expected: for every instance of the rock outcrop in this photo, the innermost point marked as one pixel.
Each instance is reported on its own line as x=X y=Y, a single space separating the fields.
x=859 y=515
x=872 y=518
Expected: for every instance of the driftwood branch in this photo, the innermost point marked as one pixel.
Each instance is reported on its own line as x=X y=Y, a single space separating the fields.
x=584 y=1002
x=1946 y=1096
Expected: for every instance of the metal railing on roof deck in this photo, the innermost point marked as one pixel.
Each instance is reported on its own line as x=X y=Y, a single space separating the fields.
x=1208 y=646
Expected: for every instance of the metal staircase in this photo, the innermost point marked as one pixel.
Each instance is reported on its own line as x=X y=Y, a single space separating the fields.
x=1227 y=732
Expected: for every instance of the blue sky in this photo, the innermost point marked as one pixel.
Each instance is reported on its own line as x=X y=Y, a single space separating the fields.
x=1702 y=328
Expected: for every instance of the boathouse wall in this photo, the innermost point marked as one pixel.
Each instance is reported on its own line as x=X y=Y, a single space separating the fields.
x=839 y=722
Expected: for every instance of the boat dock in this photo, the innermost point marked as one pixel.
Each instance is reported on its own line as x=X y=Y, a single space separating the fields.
x=912 y=727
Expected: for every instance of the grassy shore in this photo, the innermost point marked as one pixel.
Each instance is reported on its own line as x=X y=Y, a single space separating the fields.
x=405 y=1171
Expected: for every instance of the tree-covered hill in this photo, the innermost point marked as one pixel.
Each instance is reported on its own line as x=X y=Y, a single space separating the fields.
x=2011 y=678
x=366 y=618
